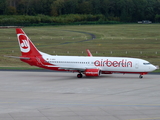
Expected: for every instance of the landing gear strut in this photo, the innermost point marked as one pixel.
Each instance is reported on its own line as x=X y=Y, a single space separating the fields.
x=79 y=75
x=140 y=76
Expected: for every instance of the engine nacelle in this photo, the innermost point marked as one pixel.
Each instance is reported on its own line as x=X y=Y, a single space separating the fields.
x=92 y=72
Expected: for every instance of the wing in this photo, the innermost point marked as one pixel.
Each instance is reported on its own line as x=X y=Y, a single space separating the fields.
x=74 y=68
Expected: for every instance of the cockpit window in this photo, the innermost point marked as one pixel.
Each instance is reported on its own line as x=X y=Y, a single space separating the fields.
x=146 y=63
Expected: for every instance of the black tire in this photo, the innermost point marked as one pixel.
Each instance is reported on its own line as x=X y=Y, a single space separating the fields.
x=140 y=76
x=79 y=75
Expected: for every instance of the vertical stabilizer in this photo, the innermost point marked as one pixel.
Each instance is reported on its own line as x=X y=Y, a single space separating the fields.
x=26 y=46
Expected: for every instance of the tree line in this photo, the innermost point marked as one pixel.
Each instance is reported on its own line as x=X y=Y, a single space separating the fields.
x=109 y=10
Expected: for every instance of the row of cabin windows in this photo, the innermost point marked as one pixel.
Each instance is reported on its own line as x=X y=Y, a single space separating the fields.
x=70 y=62
x=82 y=62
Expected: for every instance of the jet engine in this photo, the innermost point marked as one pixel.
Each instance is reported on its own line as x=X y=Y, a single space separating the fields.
x=92 y=72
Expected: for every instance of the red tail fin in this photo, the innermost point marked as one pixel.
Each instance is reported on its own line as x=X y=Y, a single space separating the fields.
x=26 y=46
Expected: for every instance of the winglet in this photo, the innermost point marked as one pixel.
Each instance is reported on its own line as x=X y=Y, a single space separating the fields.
x=89 y=53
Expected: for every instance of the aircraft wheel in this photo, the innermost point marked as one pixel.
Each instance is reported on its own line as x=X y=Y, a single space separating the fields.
x=140 y=76
x=79 y=75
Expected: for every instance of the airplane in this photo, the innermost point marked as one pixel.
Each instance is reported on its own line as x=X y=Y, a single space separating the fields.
x=89 y=66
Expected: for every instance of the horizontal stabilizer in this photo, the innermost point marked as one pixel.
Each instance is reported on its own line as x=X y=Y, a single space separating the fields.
x=25 y=58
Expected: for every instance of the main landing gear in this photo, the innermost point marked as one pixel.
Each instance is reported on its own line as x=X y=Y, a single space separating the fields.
x=140 y=76
x=79 y=75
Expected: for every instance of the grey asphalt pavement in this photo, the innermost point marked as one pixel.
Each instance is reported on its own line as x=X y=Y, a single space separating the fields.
x=62 y=96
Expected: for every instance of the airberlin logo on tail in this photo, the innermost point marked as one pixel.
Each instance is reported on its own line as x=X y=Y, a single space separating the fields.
x=23 y=43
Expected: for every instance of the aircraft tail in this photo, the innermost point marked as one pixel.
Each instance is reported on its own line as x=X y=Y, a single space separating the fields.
x=26 y=46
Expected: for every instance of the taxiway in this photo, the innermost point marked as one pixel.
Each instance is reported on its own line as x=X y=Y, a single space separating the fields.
x=62 y=96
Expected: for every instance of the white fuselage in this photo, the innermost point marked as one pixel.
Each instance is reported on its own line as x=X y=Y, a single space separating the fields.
x=115 y=64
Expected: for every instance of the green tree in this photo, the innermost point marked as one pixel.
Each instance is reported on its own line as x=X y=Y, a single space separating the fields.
x=126 y=10
x=57 y=7
x=96 y=5
x=157 y=18
x=10 y=10
x=70 y=6
x=105 y=4
x=157 y=6
x=139 y=10
x=119 y=10
x=149 y=10
x=2 y=7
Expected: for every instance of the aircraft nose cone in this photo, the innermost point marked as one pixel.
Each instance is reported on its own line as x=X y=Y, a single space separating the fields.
x=154 y=67
x=157 y=67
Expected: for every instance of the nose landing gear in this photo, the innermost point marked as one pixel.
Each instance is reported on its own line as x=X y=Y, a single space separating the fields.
x=140 y=76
